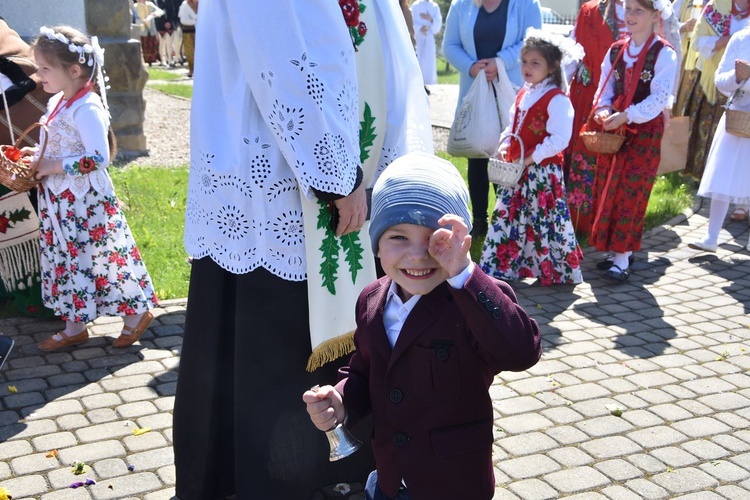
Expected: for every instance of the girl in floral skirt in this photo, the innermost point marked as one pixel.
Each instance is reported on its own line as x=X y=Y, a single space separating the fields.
x=531 y=234
x=90 y=264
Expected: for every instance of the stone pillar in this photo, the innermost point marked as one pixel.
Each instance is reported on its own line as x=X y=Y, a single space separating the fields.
x=123 y=62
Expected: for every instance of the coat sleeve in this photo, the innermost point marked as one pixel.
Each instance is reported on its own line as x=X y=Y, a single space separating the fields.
x=505 y=336
x=530 y=17
x=453 y=48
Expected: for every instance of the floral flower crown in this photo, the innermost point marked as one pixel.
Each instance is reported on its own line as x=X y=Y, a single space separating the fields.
x=664 y=7
x=92 y=55
x=570 y=49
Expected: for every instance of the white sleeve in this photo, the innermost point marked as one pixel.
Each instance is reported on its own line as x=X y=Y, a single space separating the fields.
x=661 y=89
x=705 y=45
x=559 y=127
x=437 y=20
x=725 y=79
x=92 y=125
x=296 y=80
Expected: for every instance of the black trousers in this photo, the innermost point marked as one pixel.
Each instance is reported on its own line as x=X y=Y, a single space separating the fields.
x=240 y=426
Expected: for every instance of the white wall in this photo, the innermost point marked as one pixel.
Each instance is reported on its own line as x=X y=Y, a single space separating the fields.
x=27 y=16
x=564 y=7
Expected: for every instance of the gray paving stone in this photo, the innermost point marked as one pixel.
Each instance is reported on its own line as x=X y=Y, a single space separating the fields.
x=22 y=400
x=133 y=484
x=121 y=383
x=576 y=479
x=110 y=467
x=523 y=423
x=522 y=404
x=112 y=430
x=27 y=430
x=528 y=444
x=158 y=421
x=618 y=470
x=725 y=471
x=705 y=450
x=620 y=493
x=167 y=474
x=533 y=489
x=642 y=418
x=103 y=400
x=570 y=457
x=674 y=457
x=16 y=448
x=656 y=437
x=610 y=447
x=134 y=410
x=68 y=494
x=102 y=415
x=685 y=480
x=54 y=441
x=733 y=492
x=647 y=463
x=169 y=494
x=138 y=394
x=4 y=471
x=604 y=426
x=31 y=464
x=725 y=402
x=53 y=409
x=151 y=459
x=26 y=486
x=144 y=442
x=647 y=490
x=91 y=452
x=701 y=427
x=528 y=467
x=707 y=386
x=567 y=435
x=72 y=391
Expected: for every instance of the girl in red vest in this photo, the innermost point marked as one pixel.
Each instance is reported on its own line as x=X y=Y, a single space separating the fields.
x=531 y=234
x=637 y=81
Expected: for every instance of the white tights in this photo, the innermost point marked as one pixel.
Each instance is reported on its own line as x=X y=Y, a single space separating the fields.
x=719 y=209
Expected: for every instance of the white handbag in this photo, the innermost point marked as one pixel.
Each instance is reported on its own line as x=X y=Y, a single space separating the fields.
x=476 y=129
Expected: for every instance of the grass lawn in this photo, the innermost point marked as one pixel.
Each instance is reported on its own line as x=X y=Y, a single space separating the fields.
x=162 y=74
x=176 y=89
x=446 y=72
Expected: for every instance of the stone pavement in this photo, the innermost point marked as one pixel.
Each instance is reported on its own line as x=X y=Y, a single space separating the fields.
x=642 y=391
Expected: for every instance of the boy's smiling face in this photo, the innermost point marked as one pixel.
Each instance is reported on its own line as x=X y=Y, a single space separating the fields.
x=404 y=255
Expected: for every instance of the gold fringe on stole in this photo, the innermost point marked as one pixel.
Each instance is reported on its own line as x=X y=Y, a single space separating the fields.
x=331 y=349
x=17 y=262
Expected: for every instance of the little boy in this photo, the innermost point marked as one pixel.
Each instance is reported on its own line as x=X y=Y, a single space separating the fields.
x=430 y=337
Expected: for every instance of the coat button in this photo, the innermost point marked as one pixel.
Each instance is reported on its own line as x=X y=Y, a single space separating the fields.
x=497 y=313
x=396 y=395
x=482 y=297
x=399 y=439
x=442 y=354
x=489 y=305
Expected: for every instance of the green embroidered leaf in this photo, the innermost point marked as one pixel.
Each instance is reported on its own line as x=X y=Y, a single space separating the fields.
x=19 y=215
x=329 y=265
x=362 y=7
x=353 y=249
x=367 y=133
x=324 y=215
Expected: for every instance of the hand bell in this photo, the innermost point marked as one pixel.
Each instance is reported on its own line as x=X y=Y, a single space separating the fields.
x=342 y=443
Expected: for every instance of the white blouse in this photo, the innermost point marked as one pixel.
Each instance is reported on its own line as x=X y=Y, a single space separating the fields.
x=559 y=124
x=661 y=85
x=726 y=82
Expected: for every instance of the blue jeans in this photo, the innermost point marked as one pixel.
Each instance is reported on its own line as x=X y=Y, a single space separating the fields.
x=373 y=491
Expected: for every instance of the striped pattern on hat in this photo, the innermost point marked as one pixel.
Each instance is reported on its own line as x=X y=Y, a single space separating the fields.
x=417 y=188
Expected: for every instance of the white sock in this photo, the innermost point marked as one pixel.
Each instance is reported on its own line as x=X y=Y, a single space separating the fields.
x=621 y=260
x=716 y=216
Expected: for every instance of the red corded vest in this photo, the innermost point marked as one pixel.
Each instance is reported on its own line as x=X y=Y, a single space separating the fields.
x=534 y=129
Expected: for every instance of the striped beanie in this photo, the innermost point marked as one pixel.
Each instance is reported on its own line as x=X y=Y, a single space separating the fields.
x=417 y=188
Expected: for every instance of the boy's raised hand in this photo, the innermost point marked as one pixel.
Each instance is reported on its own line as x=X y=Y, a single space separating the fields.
x=325 y=406
x=450 y=247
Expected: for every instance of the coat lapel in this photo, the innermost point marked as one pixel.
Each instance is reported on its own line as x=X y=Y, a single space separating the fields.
x=375 y=327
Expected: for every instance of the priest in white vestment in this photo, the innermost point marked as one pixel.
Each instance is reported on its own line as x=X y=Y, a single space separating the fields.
x=427 y=23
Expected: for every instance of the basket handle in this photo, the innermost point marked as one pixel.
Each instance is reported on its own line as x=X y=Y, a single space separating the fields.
x=518 y=138
x=33 y=167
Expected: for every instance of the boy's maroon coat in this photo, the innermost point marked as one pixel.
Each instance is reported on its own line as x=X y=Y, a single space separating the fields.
x=432 y=412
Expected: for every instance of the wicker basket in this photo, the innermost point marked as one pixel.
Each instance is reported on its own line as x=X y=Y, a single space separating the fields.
x=505 y=173
x=738 y=122
x=18 y=176
x=602 y=142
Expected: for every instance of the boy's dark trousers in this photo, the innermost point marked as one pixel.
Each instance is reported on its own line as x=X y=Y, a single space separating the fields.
x=6 y=345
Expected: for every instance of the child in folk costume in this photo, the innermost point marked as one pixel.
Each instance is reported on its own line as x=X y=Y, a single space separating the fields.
x=90 y=263
x=638 y=76
x=531 y=234
x=727 y=176
x=430 y=337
